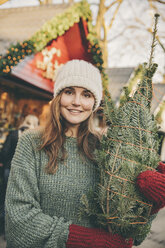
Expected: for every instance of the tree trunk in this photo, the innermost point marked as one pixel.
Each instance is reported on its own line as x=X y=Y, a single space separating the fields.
x=100 y=16
x=100 y=26
x=105 y=53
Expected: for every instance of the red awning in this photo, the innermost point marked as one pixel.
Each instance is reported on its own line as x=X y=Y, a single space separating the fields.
x=73 y=45
x=27 y=71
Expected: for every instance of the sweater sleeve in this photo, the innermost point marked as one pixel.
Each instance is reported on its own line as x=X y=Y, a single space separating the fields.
x=26 y=224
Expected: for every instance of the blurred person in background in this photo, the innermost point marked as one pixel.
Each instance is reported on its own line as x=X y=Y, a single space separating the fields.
x=9 y=146
x=7 y=152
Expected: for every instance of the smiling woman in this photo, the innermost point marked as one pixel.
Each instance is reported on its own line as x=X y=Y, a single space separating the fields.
x=77 y=94
x=54 y=167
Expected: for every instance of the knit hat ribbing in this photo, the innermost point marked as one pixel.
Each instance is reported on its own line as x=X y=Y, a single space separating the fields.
x=79 y=73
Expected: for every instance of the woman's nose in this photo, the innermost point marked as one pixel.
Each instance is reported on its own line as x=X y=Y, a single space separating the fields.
x=76 y=100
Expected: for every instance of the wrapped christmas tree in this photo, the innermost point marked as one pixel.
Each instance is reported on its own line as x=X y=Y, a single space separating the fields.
x=130 y=147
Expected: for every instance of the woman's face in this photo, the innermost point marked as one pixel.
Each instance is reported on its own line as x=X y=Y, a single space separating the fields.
x=76 y=105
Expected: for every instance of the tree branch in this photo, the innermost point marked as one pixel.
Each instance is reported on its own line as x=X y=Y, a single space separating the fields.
x=108 y=7
x=114 y=15
x=159 y=1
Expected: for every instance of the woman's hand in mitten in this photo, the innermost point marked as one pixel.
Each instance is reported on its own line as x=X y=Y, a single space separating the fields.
x=83 y=237
x=152 y=186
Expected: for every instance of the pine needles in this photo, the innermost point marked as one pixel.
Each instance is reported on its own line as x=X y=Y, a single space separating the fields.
x=130 y=147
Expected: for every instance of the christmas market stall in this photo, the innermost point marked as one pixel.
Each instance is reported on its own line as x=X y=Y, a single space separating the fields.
x=28 y=68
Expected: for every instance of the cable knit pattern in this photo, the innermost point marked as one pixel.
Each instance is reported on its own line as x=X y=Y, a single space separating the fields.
x=40 y=207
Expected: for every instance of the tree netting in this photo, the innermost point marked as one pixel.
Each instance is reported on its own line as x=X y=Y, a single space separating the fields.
x=129 y=147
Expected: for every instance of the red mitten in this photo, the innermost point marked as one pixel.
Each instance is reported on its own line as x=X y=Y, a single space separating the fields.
x=152 y=185
x=83 y=237
x=161 y=167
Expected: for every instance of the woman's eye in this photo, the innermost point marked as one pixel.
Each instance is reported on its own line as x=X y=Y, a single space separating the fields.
x=68 y=92
x=87 y=95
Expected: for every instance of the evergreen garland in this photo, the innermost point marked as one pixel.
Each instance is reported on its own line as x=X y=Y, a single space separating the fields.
x=14 y=55
x=59 y=24
x=130 y=147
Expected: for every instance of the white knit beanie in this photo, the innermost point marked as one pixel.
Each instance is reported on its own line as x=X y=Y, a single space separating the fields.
x=79 y=73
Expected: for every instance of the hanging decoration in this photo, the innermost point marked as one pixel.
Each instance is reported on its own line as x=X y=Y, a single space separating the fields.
x=48 y=62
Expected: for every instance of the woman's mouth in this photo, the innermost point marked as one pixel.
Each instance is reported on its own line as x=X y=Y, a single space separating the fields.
x=75 y=111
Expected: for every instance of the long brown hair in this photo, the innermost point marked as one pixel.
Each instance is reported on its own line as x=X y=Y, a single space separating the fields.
x=53 y=137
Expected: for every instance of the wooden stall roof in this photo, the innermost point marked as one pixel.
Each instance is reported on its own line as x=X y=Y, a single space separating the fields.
x=19 y=24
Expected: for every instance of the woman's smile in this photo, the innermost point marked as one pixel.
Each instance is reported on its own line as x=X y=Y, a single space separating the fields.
x=75 y=111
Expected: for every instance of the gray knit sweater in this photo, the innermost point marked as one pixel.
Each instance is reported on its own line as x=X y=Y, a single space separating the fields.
x=39 y=206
